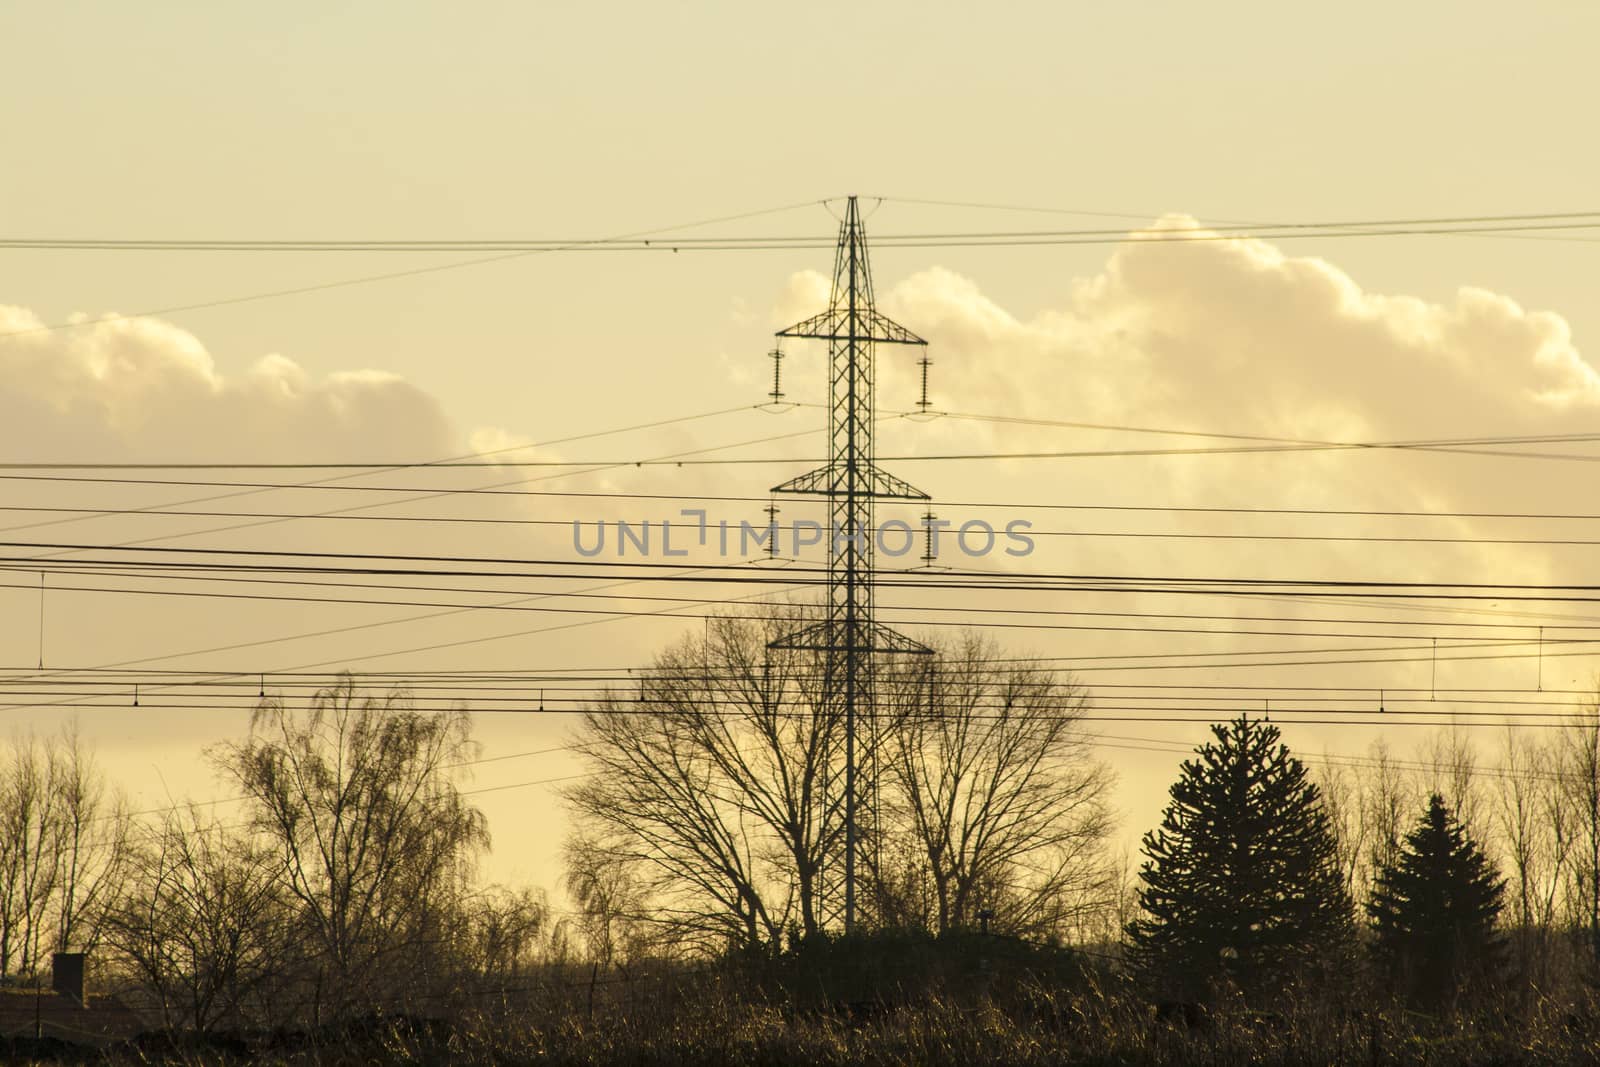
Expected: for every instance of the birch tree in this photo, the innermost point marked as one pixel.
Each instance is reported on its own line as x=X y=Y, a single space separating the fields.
x=356 y=800
x=63 y=838
x=203 y=920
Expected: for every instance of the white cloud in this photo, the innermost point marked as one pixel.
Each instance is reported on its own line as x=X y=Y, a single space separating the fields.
x=1239 y=338
x=144 y=389
x=1251 y=340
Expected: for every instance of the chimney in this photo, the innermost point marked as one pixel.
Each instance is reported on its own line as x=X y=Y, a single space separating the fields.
x=66 y=976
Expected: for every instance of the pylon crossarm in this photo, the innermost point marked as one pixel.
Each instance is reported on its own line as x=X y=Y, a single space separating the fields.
x=835 y=324
x=884 y=485
x=892 y=642
x=826 y=481
x=823 y=637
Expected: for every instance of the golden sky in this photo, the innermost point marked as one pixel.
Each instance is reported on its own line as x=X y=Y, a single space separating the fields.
x=413 y=121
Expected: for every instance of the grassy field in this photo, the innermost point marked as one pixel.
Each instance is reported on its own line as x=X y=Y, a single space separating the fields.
x=711 y=1029
x=890 y=1001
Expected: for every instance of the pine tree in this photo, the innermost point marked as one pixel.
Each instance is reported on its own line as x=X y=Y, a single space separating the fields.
x=1240 y=884
x=1434 y=911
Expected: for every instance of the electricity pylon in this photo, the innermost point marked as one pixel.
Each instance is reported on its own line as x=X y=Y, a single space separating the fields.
x=849 y=635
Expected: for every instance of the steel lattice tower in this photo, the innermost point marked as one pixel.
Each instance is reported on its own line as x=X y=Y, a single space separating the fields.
x=849 y=636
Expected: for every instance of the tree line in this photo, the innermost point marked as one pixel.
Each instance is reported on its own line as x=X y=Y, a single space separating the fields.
x=341 y=882
x=709 y=824
x=712 y=821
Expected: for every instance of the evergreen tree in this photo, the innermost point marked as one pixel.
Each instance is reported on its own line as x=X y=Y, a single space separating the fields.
x=1240 y=883
x=1434 y=911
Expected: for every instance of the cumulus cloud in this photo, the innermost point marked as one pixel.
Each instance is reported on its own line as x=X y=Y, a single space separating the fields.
x=1238 y=337
x=1259 y=341
x=145 y=389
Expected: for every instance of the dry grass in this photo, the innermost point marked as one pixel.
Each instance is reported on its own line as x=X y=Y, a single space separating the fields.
x=1029 y=1008
x=706 y=1024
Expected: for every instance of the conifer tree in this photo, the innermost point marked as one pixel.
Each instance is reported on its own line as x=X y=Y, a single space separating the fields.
x=1434 y=911
x=1241 y=884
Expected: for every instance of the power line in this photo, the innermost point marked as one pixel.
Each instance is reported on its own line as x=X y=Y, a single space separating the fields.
x=540 y=696
x=916 y=614
x=753 y=573
x=1166 y=715
x=788 y=580
x=918 y=239
x=1156 y=509
x=1167 y=431
x=1519 y=229
x=432 y=647
x=911 y=577
x=586 y=679
x=1094 y=740
x=285 y=517
x=1462 y=447
x=370 y=278
x=381 y=623
x=432 y=494
x=1574 y=623
x=546 y=677
x=1146 y=216
x=1231 y=223
x=387 y=622
x=1189 y=535
x=324 y=483
x=474 y=460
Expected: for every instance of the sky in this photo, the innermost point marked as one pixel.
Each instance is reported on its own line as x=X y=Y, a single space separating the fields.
x=409 y=121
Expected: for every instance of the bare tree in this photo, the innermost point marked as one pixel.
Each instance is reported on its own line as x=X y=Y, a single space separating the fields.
x=995 y=784
x=203 y=919
x=62 y=842
x=1534 y=836
x=510 y=931
x=29 y=808
x=719 y=785
x=92 y=844
x=356 y=800
x=1580 y=776
x=709 y=782
x=612 y=911
x=1452 y=763
x=1343 y=799
x=1561 y=830
x=1388 y=799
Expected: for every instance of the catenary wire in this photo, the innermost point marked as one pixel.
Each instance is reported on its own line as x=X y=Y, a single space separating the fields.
x=363 y=279
x=1509 y=224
